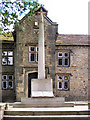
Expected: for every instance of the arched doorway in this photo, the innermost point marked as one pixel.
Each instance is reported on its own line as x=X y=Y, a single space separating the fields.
x=30 y=77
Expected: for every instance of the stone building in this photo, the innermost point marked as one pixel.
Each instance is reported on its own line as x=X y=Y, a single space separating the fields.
x=72 y=63
x=66 y=61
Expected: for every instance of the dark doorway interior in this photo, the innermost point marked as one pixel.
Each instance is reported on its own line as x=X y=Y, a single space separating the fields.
x=30 y=77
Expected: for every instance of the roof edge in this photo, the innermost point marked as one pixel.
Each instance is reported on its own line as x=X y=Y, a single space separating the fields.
x=49 y=20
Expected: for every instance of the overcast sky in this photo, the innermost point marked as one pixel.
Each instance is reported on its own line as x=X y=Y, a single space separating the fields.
x=71 y=15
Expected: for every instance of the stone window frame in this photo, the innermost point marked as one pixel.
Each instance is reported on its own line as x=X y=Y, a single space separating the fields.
x=7 y=80
x=63 y=58
x=63 y=80
x=35 y=52
x=6 y=55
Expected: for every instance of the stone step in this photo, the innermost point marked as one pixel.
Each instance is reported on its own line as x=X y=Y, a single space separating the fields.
x=65 y=104
x=79 y=103
x=42 y=105
x=59 y=117
x=43 y=101
x=35 y=113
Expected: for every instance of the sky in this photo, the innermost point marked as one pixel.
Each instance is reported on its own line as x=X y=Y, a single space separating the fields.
x=70 y=15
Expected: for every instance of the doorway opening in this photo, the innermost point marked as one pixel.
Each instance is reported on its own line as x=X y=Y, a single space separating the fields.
x=30 y=77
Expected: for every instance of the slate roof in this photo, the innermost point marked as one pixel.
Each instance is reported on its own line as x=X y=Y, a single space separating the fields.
x=66 y=39
x=62 y=39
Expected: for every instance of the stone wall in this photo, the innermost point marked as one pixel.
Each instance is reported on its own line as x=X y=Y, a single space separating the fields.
x=8 y=95
x=78 y=71
x=0 y=71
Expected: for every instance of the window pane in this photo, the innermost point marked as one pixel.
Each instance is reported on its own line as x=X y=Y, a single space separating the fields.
x=66 y=61
x=10 y=60
x=60 y=77
x=10 y=53
x=36 y=23
x=10 y=77
x=4 y=85
x=4 y=53
x=37 y=56
x=4 y=77
x=32 y=57
x=65 y=85
x=10 y=84
x=4 y=61
x=66 y=54
x=59 y=54
x=60 y=84
x=33 y=54
x=59 y=61
x=66 y=78
x=32 y=49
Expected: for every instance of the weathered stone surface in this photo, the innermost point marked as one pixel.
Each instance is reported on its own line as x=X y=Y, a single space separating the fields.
x=43 y=101
x=41 y=47
x=79 y=73
x=7 y=95
x=42 y=88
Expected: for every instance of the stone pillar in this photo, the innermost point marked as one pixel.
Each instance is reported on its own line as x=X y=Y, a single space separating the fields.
x=41 y=53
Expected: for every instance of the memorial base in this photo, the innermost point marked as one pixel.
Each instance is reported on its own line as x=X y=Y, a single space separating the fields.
x=42 y=95
x=43 y=102
x=41 y=88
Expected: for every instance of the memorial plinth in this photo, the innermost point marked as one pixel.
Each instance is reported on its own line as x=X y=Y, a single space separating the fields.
x=42 y=88
x=43 y=102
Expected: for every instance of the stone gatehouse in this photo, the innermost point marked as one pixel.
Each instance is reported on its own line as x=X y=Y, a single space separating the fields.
x=66 y=61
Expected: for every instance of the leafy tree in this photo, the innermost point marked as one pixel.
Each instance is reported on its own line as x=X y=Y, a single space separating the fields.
x=11 y=10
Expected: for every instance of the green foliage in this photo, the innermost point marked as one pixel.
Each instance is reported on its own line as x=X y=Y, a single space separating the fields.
x=4 y=34
x=23 y=29
x=11 y=11
x=7 y=35
x=1 y=29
